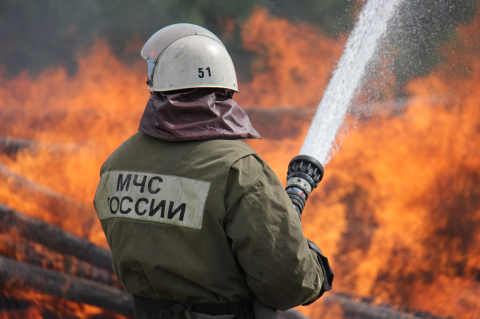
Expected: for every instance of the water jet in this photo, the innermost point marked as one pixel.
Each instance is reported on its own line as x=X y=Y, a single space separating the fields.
x=319 y=144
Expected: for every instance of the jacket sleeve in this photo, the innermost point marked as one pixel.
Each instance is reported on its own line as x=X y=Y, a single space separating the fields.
x=267 y=237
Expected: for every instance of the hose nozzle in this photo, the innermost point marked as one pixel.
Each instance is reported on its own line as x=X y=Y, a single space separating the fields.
x=304 y=174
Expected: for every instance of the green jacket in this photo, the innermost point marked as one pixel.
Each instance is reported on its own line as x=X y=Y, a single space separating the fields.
x=203 y=222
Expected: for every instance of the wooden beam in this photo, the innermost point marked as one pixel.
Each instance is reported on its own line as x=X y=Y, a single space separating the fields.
x=11 y=146
x=39 y=255
x=359 y=308
x=18 y=275
x=61 y=210
x=53 y=237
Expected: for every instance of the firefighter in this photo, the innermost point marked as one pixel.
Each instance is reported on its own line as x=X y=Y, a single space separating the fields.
x=198 y=224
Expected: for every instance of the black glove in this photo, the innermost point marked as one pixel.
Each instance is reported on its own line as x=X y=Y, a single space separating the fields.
x=327 y=271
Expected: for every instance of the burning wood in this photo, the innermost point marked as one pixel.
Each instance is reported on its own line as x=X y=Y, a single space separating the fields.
x=53 y=237
x=356 y=307
x=38 y=255
x=11 y=146
x=97 y=287
x=18 y=275
x=77 y=270
x=62 y=211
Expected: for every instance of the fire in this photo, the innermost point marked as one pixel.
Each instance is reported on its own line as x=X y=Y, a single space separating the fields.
x=400 y=204
x=294 y=65
x=77 y=122
x=42 y=306
x=398 y=211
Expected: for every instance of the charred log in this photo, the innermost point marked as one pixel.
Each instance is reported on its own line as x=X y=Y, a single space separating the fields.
x=362 y=308
x=55 y=238
x=11 y=146
x=20 y=230
x=38 y=255
x=21 y=276
x=356 y=307
x=11 y=304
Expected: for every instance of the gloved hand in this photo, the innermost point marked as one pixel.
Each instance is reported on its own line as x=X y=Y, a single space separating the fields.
x=327 y=271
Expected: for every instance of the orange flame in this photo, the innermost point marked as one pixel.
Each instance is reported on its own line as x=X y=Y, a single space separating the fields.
x=43 y=306
x=294 y=65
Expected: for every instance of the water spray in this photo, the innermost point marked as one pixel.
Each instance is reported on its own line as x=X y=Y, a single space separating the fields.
x=306 y=171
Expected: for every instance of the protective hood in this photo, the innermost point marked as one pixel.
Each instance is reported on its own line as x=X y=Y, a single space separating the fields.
x=196 y=114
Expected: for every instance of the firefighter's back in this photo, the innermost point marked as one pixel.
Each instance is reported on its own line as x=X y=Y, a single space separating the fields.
x=162 y=208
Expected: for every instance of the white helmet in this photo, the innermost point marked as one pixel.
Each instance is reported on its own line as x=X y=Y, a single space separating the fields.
x=184 y=56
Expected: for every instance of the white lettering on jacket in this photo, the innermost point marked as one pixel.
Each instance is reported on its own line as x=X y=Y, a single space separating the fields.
x=152 y=197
